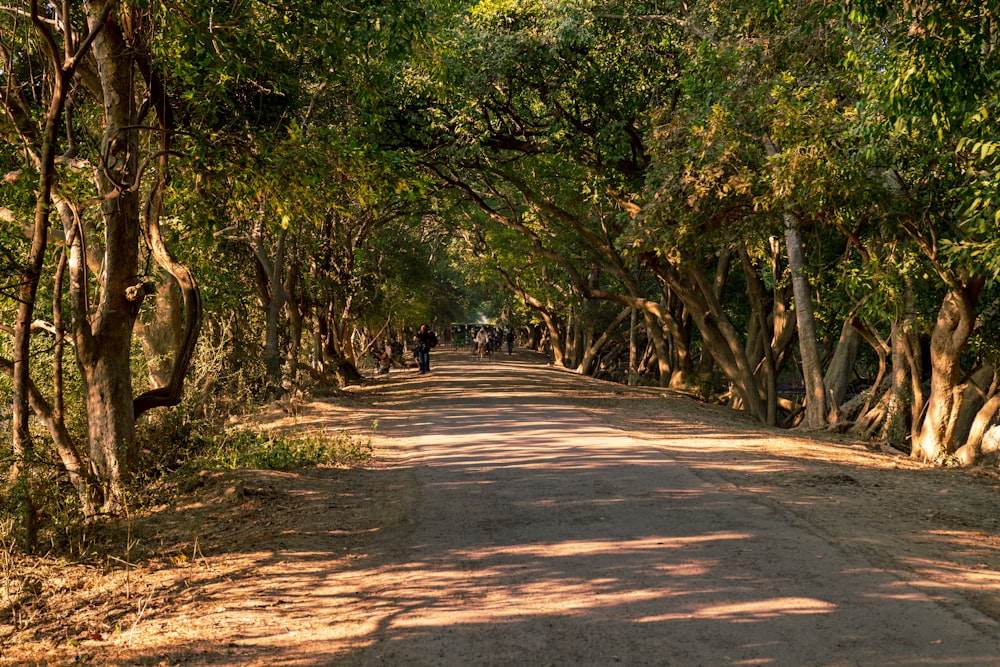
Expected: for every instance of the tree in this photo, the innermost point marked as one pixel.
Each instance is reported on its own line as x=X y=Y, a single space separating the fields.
x=122 y=202
x=934 y=93
x=543 y=130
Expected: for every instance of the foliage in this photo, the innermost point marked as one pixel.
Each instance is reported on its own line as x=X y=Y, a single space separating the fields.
x=338 y=170
x=237 y=448
x=931 y=72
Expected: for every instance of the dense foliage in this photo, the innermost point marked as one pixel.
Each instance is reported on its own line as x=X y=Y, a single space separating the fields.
x=789 y=207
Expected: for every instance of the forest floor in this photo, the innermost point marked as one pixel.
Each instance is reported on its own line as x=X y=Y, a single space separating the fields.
x=516 y=514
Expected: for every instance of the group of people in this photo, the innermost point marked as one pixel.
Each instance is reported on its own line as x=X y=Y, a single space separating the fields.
x=392 y=352
x=484 y=342
x=475 y=335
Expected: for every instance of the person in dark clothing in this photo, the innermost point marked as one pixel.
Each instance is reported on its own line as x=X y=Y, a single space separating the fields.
x=423 y=342
x=396 y=353
x=510 y=341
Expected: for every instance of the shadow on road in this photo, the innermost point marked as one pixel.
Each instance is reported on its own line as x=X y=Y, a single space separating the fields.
x=516 y=528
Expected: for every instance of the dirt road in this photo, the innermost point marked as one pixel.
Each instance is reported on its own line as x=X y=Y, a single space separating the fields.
x=526 y=516
x=542 y=536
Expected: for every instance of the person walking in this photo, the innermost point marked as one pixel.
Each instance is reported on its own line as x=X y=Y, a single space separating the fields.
x=510 y=341
x=424 y=341
x=482 y=342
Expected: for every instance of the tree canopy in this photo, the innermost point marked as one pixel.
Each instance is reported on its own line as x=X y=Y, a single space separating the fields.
x=791 y=208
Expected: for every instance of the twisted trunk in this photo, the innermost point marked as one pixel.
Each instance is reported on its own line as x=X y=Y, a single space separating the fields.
x=936 y=437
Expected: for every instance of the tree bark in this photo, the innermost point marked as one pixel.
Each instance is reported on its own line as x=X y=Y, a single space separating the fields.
x=984 y=436
x=817 y=411
x=293 y=311
x=161 y=332
x=756 y=293
x=592 y=353
x=272 y=269
x=717 y=332
x=841 y=368
x=951 y=332
x=41 y=147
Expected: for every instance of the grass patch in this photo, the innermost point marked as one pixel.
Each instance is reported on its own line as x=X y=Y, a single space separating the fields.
x=238 y=448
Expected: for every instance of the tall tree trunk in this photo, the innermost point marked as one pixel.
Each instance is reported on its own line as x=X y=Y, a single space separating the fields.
x=706 y=361
x=63 y=69
x=104 y=341
x=677 y=326
x=633 y=353
x=817 y=412
x=293 y=311
x=273 y=269
x=755 y=289
x=659 y=343
x=557 y=340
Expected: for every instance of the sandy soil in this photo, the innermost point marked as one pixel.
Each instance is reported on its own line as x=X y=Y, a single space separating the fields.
x=521 y=515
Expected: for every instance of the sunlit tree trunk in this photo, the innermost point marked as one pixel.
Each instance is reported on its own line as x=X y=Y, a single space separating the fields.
x=104 y=340
x=951 y=332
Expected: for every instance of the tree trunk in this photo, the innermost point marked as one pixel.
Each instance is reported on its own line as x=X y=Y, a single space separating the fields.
x=706 y=361
x=342 y=368
x=592 y=354
x=295 y=323
x=984 y=436
x=104 y=340
x=755 y=290
x=534 y=338
x=276 y=299
x=556 y=339
x=678 y=328
x=717 y=332
x=161 y=332
x=901 y=393
x=841 y=369
x=63 y=70
x=633 y=353
x=817 y=412
x=980 y=386
x=951 y=332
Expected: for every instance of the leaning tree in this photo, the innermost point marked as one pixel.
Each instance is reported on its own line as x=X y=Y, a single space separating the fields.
x=89 y=110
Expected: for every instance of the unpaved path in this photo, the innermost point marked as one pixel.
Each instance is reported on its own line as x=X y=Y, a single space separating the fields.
x=541 y=536
x=526 y=516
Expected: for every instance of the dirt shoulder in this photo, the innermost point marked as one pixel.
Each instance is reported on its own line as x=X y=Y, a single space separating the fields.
x=257 y=567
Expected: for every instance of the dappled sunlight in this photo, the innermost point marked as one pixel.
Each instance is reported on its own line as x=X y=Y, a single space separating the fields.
x=507 y=525
x=528 y=442
x=752 y=611
x=973 y=577
x=586 y=548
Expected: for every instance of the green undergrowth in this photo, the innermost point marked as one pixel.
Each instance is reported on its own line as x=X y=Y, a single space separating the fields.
x=239 y=448
x=174 y=444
